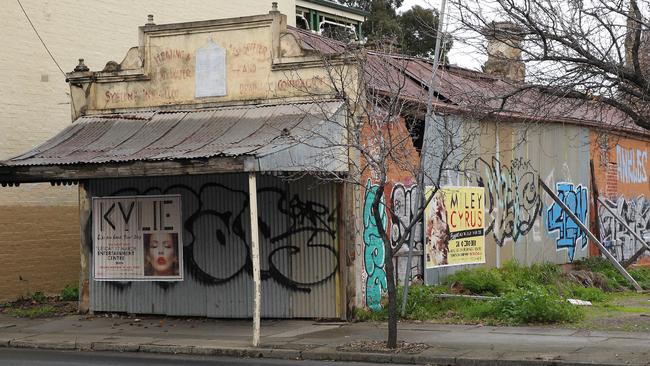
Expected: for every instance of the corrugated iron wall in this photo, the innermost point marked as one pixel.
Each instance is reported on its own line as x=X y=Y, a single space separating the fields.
x=522 y=222
x=298 y=238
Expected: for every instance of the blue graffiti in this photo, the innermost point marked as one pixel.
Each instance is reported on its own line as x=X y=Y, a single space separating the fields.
x=570 y=233
x=374 y=249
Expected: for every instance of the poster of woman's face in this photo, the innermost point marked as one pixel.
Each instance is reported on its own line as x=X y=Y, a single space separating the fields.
x=161 y=254
x=437 y=233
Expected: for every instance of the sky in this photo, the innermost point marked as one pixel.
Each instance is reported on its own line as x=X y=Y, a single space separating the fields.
x=460 y=54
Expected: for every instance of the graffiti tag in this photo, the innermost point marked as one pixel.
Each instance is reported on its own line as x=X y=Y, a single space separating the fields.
x=513 y=198
x=569 y=232
x=635 y=213
x=631 y=165
x=374 y=249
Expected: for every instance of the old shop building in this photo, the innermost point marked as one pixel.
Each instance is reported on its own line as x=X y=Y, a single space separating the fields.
x=198 y=108
x=193 y=112
x=45 y=257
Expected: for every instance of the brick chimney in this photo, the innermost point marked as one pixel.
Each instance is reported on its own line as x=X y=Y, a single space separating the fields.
x=504 y=51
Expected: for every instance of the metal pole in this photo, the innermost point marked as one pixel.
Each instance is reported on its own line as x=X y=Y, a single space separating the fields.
x=255 y=254
x=429 y=117
x=634 y=234
x=591 y=236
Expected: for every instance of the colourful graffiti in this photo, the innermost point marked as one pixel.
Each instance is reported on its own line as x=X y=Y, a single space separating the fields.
x=631 y=165
x=374 y=249
x=513 y=198
x=557 y=221
x=403 y=203
x=617 y=239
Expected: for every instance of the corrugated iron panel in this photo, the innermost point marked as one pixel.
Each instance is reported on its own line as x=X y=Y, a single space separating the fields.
x=293 y=215
x=226 y=131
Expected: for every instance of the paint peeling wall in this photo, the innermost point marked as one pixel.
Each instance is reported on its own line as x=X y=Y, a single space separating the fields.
x=523 y=223
x=399 y=200
x=621 y=175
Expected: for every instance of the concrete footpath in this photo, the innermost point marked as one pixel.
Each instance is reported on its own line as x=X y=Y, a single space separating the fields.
x=309 y=340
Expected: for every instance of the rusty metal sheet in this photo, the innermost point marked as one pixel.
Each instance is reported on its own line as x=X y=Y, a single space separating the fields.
x=225 y=131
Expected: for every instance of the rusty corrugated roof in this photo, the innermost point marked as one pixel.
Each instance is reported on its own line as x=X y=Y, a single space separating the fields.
x=472 y=91
x=251 y=130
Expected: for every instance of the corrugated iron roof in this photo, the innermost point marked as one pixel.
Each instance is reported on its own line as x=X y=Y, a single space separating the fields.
x=252 y=130
x=472 y=91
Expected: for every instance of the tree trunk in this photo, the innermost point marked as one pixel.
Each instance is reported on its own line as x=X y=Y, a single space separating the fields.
x=392 y=296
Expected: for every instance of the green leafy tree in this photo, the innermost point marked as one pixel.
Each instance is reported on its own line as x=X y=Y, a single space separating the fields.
x=419 y=28
x=414 y=31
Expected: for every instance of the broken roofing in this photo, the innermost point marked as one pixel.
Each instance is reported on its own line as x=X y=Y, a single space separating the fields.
x=467 y=91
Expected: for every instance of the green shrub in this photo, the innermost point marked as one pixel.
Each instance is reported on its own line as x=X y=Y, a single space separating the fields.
x=70 y=293
x=535 y=304
x=479 y=281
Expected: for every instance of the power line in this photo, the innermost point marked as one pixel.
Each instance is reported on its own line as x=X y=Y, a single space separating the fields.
x=39 y=37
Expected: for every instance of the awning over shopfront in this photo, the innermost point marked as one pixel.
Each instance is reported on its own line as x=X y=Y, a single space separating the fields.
x=292 y=137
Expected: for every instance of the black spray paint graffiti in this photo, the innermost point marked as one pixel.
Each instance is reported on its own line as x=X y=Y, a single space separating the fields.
x=307 y=228
x=636 y=214
x=403 y=202
x=513 y=198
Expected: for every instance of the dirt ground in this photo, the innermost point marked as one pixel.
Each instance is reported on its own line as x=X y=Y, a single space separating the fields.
x=47 y=307
x=623 y=312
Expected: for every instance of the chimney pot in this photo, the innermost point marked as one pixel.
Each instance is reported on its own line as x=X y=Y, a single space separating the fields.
x=504 y=50
x=81 y=67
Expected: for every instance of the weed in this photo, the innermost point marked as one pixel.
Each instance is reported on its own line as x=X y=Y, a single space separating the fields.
x=538 y=274
x=35 y=312
x=38 y=297
x=615 y=278
x=592 y=294
x=480 y=281
x=70 y=293
x=364 y=315
x=535 y=304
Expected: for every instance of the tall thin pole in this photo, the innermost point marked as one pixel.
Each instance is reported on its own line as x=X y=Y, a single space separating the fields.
x=255 y=254
x=428 y=119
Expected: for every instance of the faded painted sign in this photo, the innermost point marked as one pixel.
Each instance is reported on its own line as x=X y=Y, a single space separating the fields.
x=631 y=164
x=137 y=238
x=210 y=71
x=455 y=226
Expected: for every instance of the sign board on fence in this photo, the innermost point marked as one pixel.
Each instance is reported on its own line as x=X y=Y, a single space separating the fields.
x=455 y=226
x=137 y=238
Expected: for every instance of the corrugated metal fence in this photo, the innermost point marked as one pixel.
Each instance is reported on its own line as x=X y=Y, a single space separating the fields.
x=299 y=251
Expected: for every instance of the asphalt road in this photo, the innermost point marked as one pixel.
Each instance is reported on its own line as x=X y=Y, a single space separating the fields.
x=29 y=357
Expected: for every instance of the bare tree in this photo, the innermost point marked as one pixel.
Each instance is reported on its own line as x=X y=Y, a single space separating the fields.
x=594 y=52
x=386 y=137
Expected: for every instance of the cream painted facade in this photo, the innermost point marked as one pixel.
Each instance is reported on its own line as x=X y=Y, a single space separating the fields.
x=36 y=105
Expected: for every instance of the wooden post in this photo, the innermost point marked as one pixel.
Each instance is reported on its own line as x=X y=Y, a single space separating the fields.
x=85 y=243
x=255 y=254
x=591 y=236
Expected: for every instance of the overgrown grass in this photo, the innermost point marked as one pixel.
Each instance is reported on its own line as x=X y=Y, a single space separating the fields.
x=34 y=312
x=536 y=304
x=614 y=278
x=525 y=295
